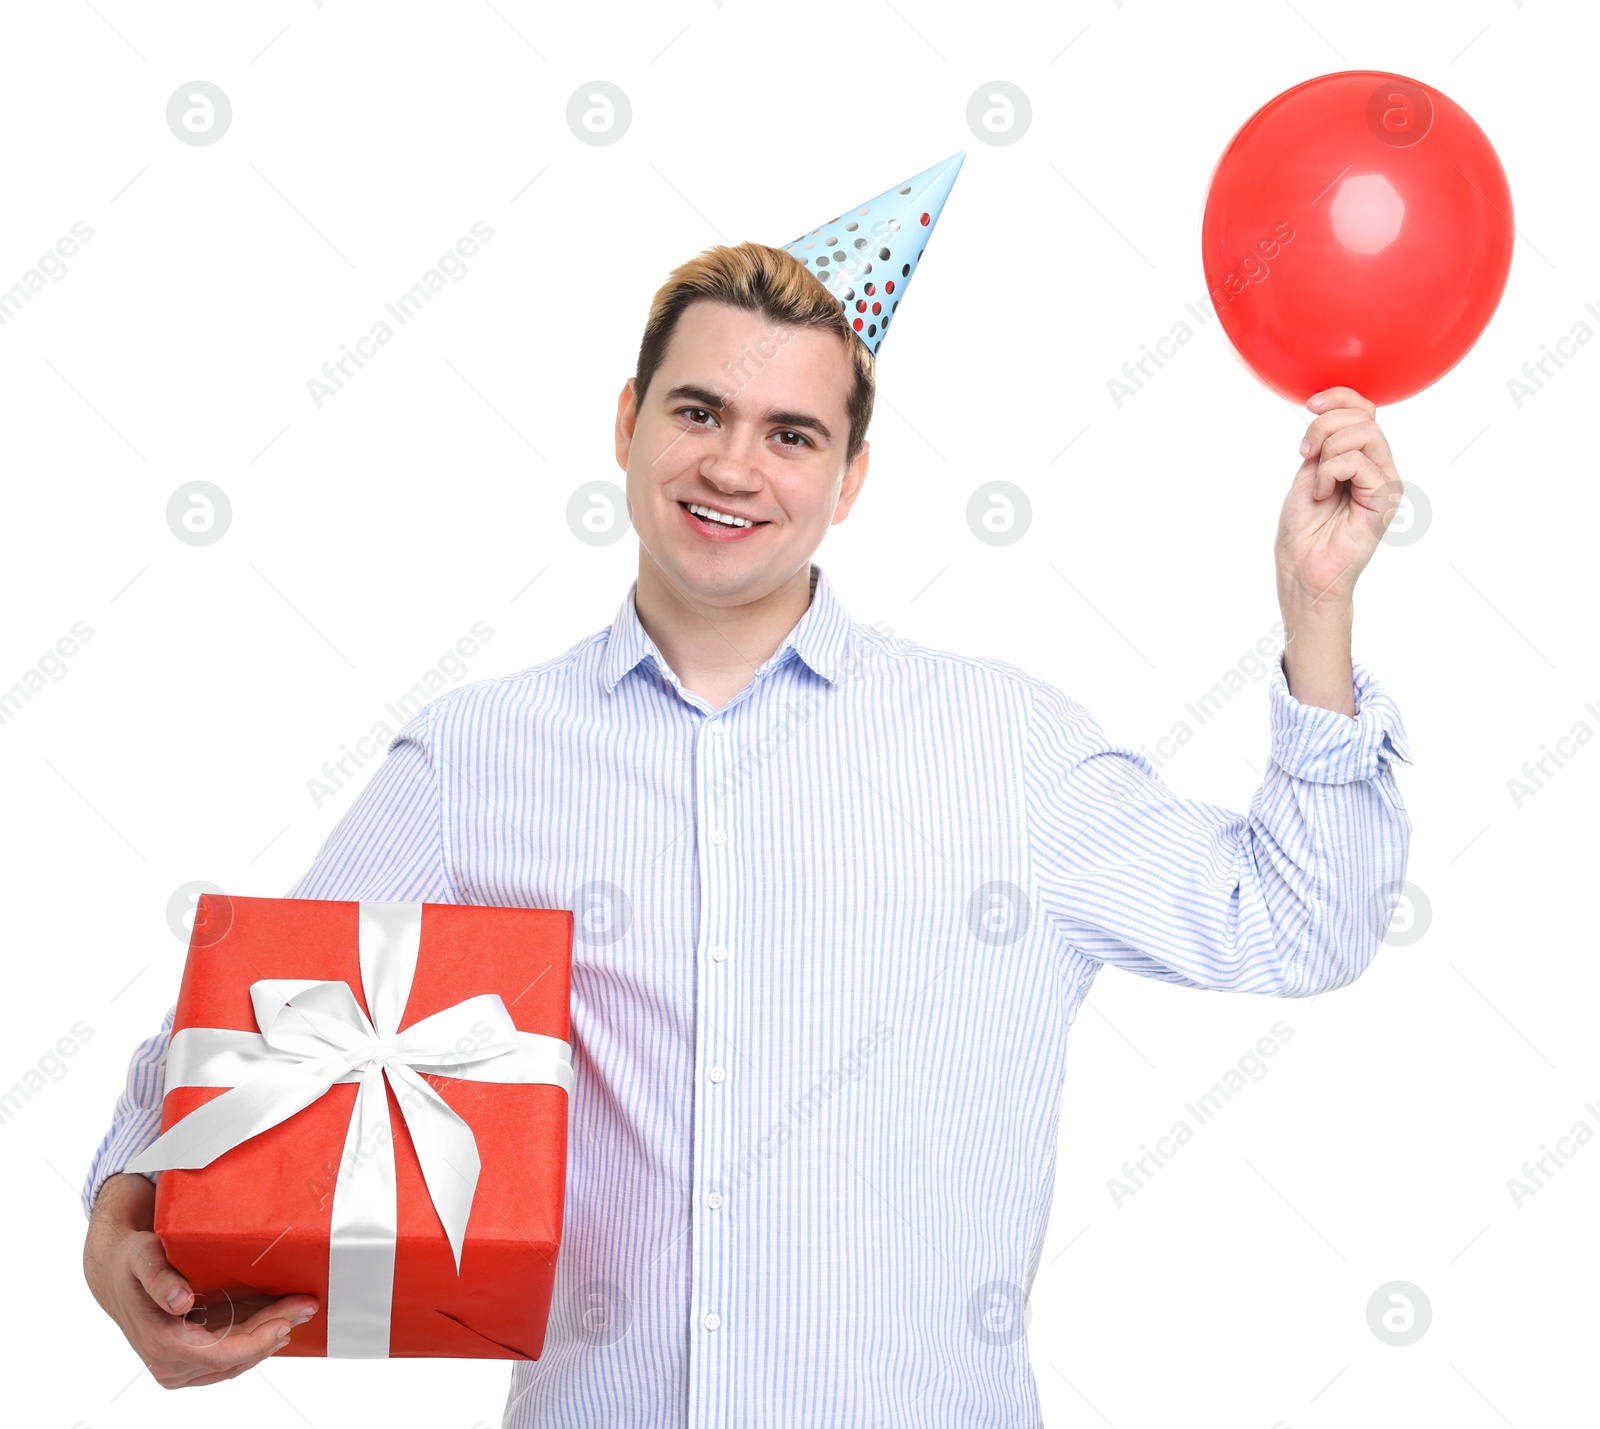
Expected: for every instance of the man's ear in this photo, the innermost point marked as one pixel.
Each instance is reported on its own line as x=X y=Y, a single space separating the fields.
x=854 y=476
x=627 y=418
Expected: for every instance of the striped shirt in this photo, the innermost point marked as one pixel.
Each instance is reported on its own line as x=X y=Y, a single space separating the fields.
x=830 y=941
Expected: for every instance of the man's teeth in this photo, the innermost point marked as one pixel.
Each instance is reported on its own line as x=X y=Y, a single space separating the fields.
x=722 y=516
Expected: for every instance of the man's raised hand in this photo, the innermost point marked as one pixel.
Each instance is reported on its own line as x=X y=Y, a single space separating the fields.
x=1340 y=502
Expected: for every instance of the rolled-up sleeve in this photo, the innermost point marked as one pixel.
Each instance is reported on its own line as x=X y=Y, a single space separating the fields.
x=136 y=1118
x=1290 y=899
x=388 y=845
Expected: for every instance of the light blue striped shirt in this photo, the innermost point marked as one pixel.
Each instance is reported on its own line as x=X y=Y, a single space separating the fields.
x=830 y=940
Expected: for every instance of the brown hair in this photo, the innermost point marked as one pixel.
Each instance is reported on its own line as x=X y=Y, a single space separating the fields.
x=765 y=280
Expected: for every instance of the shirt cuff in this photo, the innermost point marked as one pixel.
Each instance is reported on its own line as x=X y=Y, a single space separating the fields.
x=1326 y=747
x=123 y=1142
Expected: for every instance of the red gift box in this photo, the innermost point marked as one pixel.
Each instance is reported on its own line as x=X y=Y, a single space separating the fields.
x=256 y=1221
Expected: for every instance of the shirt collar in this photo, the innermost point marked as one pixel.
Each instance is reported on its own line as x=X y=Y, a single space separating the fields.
x=819 y=637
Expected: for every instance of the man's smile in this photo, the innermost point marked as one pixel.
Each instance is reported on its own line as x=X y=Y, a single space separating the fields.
x=716 y=524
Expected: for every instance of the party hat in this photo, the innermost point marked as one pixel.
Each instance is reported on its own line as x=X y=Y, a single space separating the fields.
x=865 y=257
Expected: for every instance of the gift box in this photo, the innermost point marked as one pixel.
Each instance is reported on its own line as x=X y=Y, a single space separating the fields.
x=367 y=1102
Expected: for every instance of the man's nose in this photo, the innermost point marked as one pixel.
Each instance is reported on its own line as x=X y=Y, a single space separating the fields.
x=735 y=463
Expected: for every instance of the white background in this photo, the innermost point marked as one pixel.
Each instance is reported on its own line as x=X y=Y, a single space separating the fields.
x=369 y=535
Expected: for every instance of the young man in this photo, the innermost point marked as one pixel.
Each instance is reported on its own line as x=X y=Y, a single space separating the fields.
x=854 y=891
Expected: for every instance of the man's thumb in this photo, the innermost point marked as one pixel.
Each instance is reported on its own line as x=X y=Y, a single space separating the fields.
x=161 y=1282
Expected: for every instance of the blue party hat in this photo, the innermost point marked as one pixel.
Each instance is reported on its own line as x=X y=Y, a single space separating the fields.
x=866 y=256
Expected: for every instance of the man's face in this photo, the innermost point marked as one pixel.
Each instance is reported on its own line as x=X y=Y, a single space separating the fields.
x=750 y=419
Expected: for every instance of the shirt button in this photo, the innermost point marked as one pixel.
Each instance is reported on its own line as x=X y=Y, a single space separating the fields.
x=718 y=837
x=717 y=726
x=714 y=1199
x=717 y=1074
x=719 y=954
x=713 y=1320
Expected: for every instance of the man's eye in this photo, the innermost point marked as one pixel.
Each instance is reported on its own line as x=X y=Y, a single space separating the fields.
x=805 y=441
x=682 y=410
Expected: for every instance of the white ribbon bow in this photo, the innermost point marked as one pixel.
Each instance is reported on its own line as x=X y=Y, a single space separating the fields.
x=314 y=1035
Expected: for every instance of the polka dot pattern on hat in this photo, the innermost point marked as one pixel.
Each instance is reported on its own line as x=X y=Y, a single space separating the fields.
x=842 y=252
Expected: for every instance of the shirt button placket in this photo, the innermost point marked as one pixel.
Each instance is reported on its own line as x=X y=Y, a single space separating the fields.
x=715 y=1023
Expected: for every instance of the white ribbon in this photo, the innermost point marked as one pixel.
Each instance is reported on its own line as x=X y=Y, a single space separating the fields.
x=314 y=1035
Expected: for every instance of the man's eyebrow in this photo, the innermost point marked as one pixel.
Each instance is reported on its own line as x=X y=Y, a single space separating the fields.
x=704 y=395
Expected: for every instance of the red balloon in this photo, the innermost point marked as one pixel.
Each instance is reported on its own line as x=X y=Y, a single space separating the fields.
x=1357 y=234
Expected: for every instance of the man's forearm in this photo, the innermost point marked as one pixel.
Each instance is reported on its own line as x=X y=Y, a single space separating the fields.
x=1316 y=656
x=127 y=1196
x=126 y=1203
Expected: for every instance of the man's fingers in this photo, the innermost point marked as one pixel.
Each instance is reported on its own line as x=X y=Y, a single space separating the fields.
x=1321 y=428
x=1363 y=434
x=296 y=1309
x=1331 y=397
x=180 y=1376
x=181 y=1354
x=1304 y=485
x=208 y=1379
x=1356 y=467
x=216 y=1378
x=162 y=1283
x=238 y=1349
